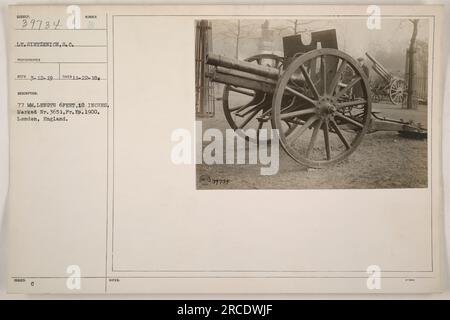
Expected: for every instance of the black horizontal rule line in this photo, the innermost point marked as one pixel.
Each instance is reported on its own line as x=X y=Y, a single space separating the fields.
x=62 y=62
x=87 y=80
x=19 y=29
x=224 y=277
x=56 y=277
x=273 y=15
x=271 y=271
x=73 y=46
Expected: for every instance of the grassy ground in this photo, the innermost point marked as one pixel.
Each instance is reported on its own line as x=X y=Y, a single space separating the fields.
x=383 y=160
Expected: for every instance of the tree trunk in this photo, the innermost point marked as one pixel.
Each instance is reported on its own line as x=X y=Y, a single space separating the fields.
x=238 y=36
x=412 y=92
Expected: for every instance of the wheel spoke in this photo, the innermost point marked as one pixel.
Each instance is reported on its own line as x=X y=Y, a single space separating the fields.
x=260 y=125
x=310 y=82
x=314 y=136
x=284 y=116
x=295 y=92
x=291 y=128
x=299 y=130
x=244 y=106
x=350 y=120
x=312 y=68
x=337 y=76
x=250 y=117
x=339 y=133
x=288 y=106
x=324 y=74
x=258 y=106
x=348 y=87
x=326 y=137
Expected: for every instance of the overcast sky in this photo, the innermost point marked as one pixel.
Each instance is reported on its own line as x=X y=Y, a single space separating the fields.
x=389 y=43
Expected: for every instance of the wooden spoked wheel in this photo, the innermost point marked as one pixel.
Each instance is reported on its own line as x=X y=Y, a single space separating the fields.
x=249 y=109
x=397 y=91
x=333 y=111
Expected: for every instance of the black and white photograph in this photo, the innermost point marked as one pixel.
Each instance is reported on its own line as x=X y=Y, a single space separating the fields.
x=312 y=104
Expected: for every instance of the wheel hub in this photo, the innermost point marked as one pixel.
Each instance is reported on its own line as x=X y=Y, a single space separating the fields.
x=325 y=106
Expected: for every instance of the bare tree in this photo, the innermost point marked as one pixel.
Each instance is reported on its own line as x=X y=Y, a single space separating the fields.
x=294 y=27
x=238 y=38
x=412 y=95
x=236 y=30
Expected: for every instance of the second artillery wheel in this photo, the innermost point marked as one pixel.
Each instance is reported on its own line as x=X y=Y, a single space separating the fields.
x=250 y=109
x=333 y=111
x=397 y=91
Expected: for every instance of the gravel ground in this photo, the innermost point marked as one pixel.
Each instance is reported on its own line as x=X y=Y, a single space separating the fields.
x=383 y=160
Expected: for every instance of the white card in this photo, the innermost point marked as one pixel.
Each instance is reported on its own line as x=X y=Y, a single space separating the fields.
x=126 y=174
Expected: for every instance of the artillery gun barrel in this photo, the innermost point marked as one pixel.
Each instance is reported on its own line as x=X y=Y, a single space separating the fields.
x=379 y=68
x=382 y=73
x=245 y=66
x=374 y=60
x=242 y=79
